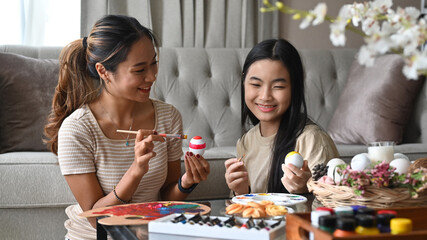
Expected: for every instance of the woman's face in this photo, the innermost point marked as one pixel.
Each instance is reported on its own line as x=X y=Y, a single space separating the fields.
x=268 y=90
x=135 y=76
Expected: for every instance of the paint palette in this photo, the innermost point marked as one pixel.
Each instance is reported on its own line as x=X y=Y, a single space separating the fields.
x=142 y=213
x=181 y=226
x=283 y=199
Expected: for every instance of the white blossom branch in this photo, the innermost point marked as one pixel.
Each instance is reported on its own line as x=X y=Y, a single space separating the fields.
x=384 y=30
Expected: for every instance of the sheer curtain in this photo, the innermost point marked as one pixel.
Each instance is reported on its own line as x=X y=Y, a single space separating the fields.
x=39 y=22
x=192 y=23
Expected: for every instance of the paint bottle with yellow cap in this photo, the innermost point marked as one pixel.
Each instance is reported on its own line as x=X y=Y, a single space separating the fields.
x=400 y=225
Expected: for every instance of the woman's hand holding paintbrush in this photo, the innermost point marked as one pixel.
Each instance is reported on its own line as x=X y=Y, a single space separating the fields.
x=236 y=175
x=144 y=145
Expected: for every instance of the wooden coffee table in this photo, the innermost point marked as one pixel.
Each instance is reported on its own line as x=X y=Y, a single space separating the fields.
x=140 y=232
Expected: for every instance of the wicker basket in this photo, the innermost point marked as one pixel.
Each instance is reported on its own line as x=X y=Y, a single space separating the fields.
x=374 y=197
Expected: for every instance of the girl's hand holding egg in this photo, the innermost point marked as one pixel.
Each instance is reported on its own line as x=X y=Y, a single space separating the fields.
x=295 y=173
x=295 y=159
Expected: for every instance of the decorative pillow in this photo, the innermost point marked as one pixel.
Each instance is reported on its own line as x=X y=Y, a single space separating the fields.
x=27 y=86
x=376 y=103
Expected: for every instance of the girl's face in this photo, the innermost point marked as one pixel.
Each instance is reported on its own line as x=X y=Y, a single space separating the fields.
x=135 y=76
x=268 y=90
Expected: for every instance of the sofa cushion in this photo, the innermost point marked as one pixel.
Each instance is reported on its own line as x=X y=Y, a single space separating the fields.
x=376 y=103
x=26 y=90
x=32 y=179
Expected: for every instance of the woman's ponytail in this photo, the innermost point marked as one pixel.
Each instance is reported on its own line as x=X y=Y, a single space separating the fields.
x=75 y=88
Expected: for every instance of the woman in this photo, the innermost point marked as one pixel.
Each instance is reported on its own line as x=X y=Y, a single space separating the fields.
x=104 y=86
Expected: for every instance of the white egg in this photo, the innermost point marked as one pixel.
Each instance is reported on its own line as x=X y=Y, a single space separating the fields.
x=332 y=169
x=400 y=155
x=335 y=161
x=360 y=162
x=295 y=159
x=401 y=165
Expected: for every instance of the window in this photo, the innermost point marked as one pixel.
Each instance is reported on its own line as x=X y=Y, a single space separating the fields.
x=424 y=6
x=39 y=22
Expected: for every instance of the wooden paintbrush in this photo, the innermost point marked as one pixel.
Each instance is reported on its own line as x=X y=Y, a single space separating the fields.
x=166 y=135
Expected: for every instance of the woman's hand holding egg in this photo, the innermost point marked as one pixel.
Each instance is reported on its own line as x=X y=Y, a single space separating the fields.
x=197 y=168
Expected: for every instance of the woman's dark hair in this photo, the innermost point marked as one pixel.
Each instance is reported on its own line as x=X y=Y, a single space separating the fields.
x=294 y=119
x=108 y=43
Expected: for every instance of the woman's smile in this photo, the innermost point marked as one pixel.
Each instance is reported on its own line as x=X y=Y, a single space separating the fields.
x=145 y=89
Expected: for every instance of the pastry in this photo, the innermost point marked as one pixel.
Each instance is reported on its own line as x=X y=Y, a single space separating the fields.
x=275 y=210
x=235 y=208
x=255 y=205
x=253 y=212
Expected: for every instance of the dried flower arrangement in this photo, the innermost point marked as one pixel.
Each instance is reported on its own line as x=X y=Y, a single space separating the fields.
x=382 y=175
x=376 y=186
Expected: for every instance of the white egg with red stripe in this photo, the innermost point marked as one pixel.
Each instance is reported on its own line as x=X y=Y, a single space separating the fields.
x=197 y=145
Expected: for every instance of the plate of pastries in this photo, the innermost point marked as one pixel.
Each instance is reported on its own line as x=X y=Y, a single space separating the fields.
x=282 y=199
x=263 y=209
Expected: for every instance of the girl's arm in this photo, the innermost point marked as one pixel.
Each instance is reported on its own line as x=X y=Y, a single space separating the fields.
x=316 y=146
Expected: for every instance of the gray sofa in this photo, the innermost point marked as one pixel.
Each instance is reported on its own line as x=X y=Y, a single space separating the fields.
x=204 y=84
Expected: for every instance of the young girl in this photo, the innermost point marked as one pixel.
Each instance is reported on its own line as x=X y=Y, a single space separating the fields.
x=273 y=100
x=104 y=85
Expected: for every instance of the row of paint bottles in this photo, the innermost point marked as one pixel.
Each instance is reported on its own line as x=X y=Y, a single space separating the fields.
x=357 y=220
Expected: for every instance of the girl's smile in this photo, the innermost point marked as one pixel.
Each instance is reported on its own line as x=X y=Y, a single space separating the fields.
x=266 y=108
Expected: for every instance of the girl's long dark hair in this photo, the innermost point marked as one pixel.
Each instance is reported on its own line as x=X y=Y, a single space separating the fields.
x=295 y=118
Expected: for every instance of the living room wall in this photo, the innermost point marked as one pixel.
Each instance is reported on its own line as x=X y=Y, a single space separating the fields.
x=318 y=36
